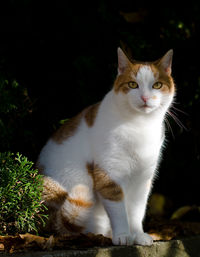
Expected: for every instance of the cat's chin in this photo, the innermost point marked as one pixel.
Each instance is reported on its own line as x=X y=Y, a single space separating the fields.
x=145 y=109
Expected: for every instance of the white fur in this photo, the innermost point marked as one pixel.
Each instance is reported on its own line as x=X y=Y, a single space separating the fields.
x=125 y=141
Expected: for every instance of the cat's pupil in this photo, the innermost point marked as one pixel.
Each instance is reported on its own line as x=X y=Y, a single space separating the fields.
x=157 y=85
x=132 y=84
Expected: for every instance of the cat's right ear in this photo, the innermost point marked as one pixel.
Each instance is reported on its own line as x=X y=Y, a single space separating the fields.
x=166 y=62
x=123 y=61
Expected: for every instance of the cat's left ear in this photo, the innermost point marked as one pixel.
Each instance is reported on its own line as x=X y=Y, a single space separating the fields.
x=166 y=62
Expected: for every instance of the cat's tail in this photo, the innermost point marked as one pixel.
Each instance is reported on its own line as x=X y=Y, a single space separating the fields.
x=69 y=212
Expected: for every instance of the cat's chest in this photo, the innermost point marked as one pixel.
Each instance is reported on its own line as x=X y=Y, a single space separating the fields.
x=139 y=144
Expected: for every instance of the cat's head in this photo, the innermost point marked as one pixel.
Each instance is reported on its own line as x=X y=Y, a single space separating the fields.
x=144 y=86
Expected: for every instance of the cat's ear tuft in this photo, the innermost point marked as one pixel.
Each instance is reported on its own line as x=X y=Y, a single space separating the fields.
x=123 y=61
x=166 y=62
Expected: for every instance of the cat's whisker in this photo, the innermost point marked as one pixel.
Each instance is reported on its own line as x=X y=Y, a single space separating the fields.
x=174 y=101
x=175 y=118
x=177 y=109
x=169 y=126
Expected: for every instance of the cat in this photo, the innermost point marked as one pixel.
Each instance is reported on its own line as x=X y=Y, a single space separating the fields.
x=100 y=165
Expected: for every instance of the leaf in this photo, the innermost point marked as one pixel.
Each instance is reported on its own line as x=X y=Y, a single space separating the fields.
x=178 y=214
x=171 y=229
x=31 y=242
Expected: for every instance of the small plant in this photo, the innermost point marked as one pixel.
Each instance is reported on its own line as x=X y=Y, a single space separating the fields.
x=21 y=208
x=15 y=110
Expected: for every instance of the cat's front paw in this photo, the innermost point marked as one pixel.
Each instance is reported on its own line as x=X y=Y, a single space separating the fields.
x=123 y=239
x=143 y=239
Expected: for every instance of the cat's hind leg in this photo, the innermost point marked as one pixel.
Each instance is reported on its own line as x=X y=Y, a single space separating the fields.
x=75 y=212
x=71 y=210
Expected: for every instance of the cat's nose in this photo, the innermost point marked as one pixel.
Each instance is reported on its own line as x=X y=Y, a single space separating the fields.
x=144 y=98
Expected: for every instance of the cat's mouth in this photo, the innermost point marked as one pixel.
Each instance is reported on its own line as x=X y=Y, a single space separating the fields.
x=146 y=108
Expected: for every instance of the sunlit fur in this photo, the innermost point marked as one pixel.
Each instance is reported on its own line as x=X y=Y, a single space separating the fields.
x=105 y=159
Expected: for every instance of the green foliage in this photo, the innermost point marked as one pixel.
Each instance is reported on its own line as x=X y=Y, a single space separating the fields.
x=21 y=209
x=14 y=107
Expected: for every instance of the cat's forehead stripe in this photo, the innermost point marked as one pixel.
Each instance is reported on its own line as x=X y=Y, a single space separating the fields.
x=145 y=73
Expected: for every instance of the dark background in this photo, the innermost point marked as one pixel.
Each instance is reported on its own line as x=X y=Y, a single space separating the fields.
x=57 y=58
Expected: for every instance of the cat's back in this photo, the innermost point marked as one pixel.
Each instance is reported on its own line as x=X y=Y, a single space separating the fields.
x=69 y=145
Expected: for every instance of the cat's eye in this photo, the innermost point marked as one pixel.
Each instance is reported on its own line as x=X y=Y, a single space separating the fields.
x=132 y=84
x=157 y=85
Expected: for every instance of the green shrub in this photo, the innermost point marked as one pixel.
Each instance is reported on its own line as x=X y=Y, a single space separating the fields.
x=15 y=109
x=21 y=208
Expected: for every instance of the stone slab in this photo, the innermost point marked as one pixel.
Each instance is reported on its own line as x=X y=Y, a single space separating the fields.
x=188 y=247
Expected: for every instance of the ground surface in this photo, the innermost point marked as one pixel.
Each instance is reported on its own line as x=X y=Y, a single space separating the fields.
x=188 y=247
x=171 y=239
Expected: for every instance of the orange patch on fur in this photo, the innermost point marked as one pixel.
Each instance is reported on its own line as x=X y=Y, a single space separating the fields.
x=80 y=203
x=67 y=130
x=80 y=196
x=91 y=113
x=53 y=194
x=124 y=88
x=121 y=82
x=162 y=76
x=154 y=97
x=103 y=184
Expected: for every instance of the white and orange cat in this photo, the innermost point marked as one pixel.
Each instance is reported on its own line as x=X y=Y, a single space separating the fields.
x=100 y=165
